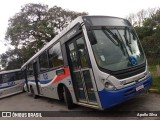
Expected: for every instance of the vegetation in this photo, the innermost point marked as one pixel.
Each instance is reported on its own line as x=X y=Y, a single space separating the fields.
x=36 y=24
x=147 y=26
x=155 y=76
x=31 y=28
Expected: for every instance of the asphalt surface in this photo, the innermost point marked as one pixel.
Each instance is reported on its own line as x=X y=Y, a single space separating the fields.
x=146 y=103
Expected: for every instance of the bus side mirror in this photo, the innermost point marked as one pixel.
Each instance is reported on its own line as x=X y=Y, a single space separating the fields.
x=91 y=37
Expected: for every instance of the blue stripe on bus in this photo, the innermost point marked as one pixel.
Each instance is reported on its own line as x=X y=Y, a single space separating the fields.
x=41 y=81
x=112 y=98
x=31 y=80
x=7 y=86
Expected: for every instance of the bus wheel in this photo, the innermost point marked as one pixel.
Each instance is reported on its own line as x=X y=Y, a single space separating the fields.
x=33 y=94
x=67 y=98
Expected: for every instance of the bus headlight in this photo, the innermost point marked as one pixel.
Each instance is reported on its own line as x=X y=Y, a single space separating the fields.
x=109 y=86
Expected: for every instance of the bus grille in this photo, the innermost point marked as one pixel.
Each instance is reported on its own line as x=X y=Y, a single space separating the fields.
x=129 y=72
x=133 y=90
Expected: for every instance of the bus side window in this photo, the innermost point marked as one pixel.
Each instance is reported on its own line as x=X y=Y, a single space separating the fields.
x=4 y=78
x=8 y=77
x=11 y=77
x=55 y=56
x=0 y=79
x=19 y=75
x=29 y=70
x=43 y=62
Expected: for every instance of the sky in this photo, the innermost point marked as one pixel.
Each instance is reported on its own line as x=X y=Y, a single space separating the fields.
x=118 y=8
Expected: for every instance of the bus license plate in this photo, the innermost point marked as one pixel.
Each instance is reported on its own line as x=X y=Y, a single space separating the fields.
x=139 y=87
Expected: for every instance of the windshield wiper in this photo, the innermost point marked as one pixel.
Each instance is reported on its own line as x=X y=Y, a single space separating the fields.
x=113 y=40
x=118 y=42
x=134 y=35
x=125 y=35
x=128 y=41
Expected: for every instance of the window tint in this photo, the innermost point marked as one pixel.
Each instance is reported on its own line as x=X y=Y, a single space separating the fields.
x=19 y=75
x=8 y=77
x=73 y=56
x=43 y=62
x=55 y=56
x=109 y=55
x=117 y=53
x=0 y=79
x=106 y=21
x=82 y=52
x=30 y=70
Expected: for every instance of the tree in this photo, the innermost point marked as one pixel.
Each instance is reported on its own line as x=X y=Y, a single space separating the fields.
x=36 y=24
x=61 y=17
x=137 y=19
x=132 y=19
x=141 y=15
x=29 y=27
x=143 y=32
x=33 y=27
x=148 y=28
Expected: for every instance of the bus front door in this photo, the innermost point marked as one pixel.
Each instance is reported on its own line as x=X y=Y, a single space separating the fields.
x=81 y=71
x=35 y=68
x=26 y=80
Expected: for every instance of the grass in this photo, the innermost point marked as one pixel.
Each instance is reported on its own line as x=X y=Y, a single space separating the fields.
x=155 y=76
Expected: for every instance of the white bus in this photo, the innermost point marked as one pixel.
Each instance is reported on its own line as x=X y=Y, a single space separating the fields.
x=11 y=82
x=97 y=61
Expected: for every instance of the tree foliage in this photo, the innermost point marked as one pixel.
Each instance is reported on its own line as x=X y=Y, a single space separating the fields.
x=147 y=25
x=33 y=27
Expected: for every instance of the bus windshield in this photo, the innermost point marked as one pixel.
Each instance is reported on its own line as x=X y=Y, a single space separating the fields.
x=117 y=48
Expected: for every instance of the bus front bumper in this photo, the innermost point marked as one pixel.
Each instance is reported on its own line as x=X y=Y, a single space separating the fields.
x=112 y=98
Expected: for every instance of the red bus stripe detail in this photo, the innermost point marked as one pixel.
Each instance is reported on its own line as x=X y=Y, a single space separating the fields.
x=62 y=77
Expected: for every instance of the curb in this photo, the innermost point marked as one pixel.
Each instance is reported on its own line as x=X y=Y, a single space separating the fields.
x=152 y=90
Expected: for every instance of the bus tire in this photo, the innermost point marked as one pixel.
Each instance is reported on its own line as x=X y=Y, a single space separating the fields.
x=67 y=98
x=33 y=94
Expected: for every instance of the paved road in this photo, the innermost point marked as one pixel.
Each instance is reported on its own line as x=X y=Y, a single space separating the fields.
x=25 y=102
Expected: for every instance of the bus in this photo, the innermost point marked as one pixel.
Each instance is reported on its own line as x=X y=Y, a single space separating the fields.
x=11 y=82
x=96 y=61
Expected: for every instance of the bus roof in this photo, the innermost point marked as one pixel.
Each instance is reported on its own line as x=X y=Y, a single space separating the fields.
x=61 y=34
x=10 y=71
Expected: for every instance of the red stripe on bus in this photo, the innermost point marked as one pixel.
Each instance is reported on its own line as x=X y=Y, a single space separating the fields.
x=62 y=77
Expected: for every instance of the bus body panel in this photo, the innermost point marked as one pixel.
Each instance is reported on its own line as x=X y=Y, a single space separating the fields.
x=31 y=83
x=12 y=86
x=112 y=98
x=49 y=81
